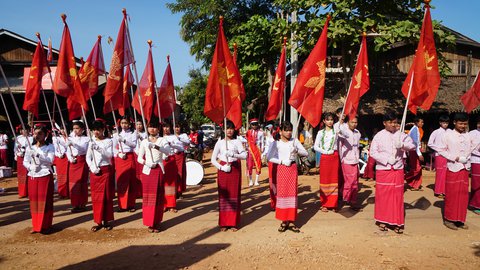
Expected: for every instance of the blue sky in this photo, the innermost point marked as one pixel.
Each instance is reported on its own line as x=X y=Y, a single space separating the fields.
x=152 y=20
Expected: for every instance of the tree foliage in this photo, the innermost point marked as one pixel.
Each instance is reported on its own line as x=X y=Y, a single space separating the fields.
x=192 y=97
x=258 y=28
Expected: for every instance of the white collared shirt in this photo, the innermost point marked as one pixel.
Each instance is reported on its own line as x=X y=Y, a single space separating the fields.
x=39 y=160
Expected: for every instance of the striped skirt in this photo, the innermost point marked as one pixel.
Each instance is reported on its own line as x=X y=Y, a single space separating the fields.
x=229 y=195
x=78 y=182
x=102 y=188
x=287 y=199
x=40 y=193
x=153 y=196
x=329 y=168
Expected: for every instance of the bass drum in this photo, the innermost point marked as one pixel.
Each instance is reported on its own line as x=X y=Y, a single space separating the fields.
x=195 y=172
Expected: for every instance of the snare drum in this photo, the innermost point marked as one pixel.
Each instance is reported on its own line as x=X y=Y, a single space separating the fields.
x=195 y=172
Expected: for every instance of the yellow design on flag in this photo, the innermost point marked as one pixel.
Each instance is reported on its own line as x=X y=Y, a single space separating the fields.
x=317 y=82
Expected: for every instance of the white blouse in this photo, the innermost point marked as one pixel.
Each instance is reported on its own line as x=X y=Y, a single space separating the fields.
x=60 y=146
x=152 y=155
x=220 y=152
x=126 y=146
x=102 y=156
x=176 y=145
x=79 y=146
x=21 y=145
x=281 y=151
x=39 y=160
x=328 y=146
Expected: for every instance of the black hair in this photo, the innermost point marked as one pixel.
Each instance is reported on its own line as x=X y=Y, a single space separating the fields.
x=389 y=116
x=460 y=116
x=339 y=110
x=45 y=131
x=347 y=118
x=99 y=125
x=78 y=123
x=230 y=125
x=444 y=118
x=327 y=115
x=286 y=126
x=153 y=123
x=169 y=124
x=417 y=119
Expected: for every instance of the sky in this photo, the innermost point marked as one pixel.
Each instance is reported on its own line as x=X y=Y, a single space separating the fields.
x=151 y=19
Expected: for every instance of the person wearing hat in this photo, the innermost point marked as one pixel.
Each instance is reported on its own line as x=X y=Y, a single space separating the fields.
x=255 y=139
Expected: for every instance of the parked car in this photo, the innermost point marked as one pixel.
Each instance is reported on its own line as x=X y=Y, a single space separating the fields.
x=210 y=131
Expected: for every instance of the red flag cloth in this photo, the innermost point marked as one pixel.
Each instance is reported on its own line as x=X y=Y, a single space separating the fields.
x=235 y=112
x=147 y=89
x=121 y=57
x=166 y=94
x=360 y=81
x=426 y=77
x=34 y=83
x=127 y=85
x=67 y=82
x=308 y=92
x=224 y=76
x=50 y=52
x=278 y=87
x=471 y=99
x=91 y=69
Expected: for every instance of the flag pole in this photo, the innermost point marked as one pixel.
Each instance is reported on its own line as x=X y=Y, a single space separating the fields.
x=224 y=119
x=284 y=103
x=88 y=132
x=404 y=117
x=351 y=80
x=16 y=107
x=89 y=94
x=9 y=120
x=134 y=66
x=156 y=88
x=175 y=95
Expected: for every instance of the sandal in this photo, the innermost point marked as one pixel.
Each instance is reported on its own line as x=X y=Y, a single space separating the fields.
x=398 y=230
x=107 y=227
x=324 y=209
x=173 y=210
x=131 y=210
x=223 y=229
x=96 y=228
x=151 y=230
x=382 y=227
x=233 y=229
x=283 y=227
x=294 y=229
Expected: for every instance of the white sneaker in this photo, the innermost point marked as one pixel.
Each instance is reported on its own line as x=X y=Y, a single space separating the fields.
x=256 y=180
x=250 y=183
x=256 y=183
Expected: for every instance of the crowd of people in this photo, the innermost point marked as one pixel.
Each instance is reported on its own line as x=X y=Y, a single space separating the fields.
x=133 y=162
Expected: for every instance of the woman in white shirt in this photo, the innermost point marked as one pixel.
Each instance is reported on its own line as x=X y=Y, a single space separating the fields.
x=102 y=185
x=38 y=160
x=125 y=173
x=226 y=157
x=150 y=155
x=77 y=145
x=23 y=142
x=283 y=152
x=326 y=144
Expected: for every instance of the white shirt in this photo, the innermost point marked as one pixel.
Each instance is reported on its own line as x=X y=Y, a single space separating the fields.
x=436 y=138
x=126 y=146
x=220 y=152
x=475 y=135
x=281 y=151
x=21 y=145
x=140 y=137
x=184 y=140
x=152 y=155
x=79 y=146
x=99 y=157
x=175 y=144
x=60 y=145
x=455 y=144
x=328 y=146
x=3 y=141
x=268 y=143
x=39 y=160
x=348 y=145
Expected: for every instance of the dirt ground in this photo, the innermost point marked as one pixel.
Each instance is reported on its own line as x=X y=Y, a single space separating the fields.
x=190 y=239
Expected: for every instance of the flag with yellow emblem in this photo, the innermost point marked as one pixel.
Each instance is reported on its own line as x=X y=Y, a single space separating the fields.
x=34 y=83
x=426 y=77
x=146 y=88
x=224 y=82
x=308 y=92
x=360 y=81
x=278 y=87
x=166 y=93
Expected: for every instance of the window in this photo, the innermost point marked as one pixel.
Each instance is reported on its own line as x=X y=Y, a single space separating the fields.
x=462 y=67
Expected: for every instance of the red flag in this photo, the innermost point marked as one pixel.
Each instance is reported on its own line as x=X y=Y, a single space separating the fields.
x=360 y=81
x=147 y=89
x=278 y=87
x=424 y=69
x=166 y=93
x=224 y=76
x=471 y=99
x=91 y=69
x=34 y=83
x=235 y=112
x=67 y=82
x=121 y=57
x=50 y=51
x=308 y=92
x=127 y=85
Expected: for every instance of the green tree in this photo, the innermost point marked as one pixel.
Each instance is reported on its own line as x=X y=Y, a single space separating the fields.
x=192 y=97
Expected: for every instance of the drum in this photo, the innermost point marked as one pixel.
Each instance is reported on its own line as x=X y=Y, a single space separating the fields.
x=195 y=172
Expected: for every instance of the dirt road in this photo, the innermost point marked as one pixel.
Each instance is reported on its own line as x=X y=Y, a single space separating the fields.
x=190 y=239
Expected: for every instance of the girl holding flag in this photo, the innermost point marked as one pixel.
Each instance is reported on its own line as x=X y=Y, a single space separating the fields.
x=102 y=185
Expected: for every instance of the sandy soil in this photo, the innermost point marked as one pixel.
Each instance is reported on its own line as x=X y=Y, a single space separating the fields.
x=190 y=239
